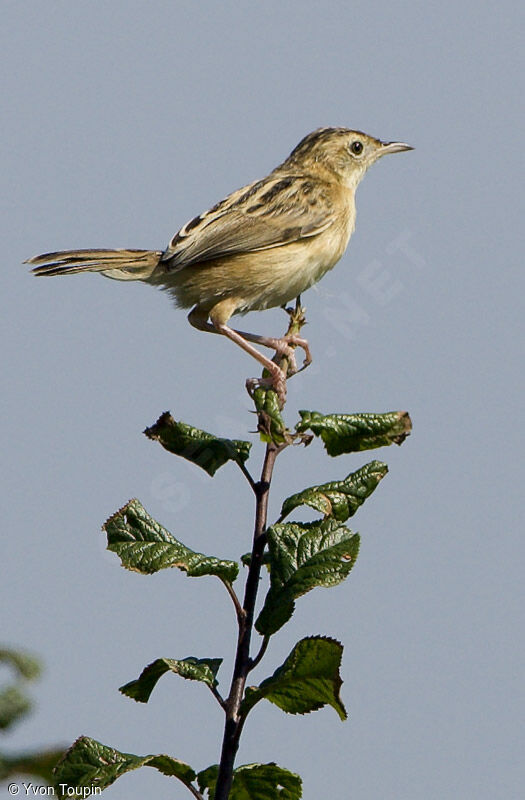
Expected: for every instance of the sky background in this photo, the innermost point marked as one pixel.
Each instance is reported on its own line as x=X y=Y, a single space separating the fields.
x=120 y=121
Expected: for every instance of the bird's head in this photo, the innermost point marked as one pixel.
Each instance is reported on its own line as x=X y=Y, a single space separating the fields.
x=342 y=151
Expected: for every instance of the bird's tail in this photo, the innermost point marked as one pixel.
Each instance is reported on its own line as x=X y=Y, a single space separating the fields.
x=123 y=265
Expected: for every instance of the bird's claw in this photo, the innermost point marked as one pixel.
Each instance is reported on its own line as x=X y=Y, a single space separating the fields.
x=285 y=348
x=284 y=351
x=276 y=382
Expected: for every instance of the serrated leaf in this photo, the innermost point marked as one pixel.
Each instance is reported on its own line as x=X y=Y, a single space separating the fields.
x=246 y=560
x=204 y=449
x=24 y=664
x=207 y=778
x=308 y=680
x=303 y=556
x=271 y=425
x=92 y=764
x=14 y=705
x=339 y=499
x=254 y=782
x=350 y=433
x=143 y=545
x=195 y=669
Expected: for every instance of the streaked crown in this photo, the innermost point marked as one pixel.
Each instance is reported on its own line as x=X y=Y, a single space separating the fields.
x=346 y=152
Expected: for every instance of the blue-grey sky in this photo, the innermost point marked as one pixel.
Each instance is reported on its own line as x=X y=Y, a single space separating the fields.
x=122 y=120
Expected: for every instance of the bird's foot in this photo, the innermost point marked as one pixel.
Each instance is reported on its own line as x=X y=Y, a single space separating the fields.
x=276 y=381
x=285 y=348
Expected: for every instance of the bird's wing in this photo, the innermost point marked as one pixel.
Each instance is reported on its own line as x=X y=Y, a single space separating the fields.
x=269 y=213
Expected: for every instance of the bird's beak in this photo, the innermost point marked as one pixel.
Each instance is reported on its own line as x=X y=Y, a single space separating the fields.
x=394 y=147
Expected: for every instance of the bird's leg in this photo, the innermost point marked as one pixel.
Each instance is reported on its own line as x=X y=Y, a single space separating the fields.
x=277 y=376
x=277 y=379
x=280 y=345
x=297 y=320
x=283 y=346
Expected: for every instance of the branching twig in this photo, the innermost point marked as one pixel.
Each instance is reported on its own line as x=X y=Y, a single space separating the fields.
x=246 y=474
x=254 y=661
x=232 y=728
x=195 y=792
x=236 y=602
x=243 y=663
x=217 y=695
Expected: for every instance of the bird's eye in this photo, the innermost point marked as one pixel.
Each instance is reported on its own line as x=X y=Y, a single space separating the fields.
x=356 y=148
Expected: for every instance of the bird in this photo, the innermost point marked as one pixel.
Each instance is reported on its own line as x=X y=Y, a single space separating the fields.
x=260 y=247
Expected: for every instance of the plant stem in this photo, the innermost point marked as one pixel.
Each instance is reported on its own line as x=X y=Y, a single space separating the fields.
x=233 y=724
x=246 y=474
x=217 y=696
x=243 y=663
x=260 y=654
x=195 y=792
x=238 y=608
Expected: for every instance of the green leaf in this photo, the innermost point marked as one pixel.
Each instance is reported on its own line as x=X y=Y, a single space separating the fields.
x=339 y=499
x=270 y=422
x=14 y=705
x=308 y=680
x=207 y=778
x=201 y=448
x=92 y=764
x=145 y=546
x=39 y=763
x=24 y=664
x=255 y=782
x=195 y=669
x=303 y=556
x=349 y=433
x=246 y=560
